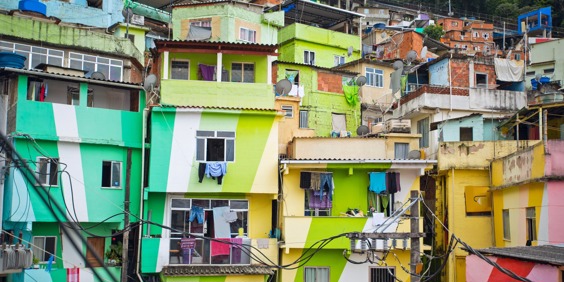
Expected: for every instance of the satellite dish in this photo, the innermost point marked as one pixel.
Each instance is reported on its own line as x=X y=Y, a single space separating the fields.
x=127 y=13
x=350 y=51
x=398 y=65
x=424 y=52
x=361 y=80
x=283 y=87
x=411 y=56
x=150 y=82
x=362 y=130
x=98 y=75
x=414 y=155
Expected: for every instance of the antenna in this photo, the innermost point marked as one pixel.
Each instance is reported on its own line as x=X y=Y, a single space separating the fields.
x=361 y=80
x=411 y=56
x=424 y=53
x=362 y=130
x=98 y=75
x=283 y=87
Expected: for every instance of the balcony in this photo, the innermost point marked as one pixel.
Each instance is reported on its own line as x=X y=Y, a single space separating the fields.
x=463 y=99
x=217 y=94
x=348 y=148
x=317 y=35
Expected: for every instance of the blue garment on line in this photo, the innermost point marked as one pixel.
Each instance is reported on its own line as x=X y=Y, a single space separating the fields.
x=216 y=169
x=197 y=212
x=377 y=182
x=326 y=179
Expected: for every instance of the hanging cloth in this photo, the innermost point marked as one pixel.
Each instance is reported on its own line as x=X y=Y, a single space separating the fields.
x=326 y=180
x=305 y=180
x=315 y=181
x=377 y=182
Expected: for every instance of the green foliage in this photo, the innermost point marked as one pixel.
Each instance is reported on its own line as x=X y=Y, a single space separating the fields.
x=114 y=253
x=434 y=31
x=507 y=10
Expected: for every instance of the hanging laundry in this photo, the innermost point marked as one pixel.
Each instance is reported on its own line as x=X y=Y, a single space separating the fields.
x=305 y=179
x=222 y=229
x=377 y=182
x=391 y=182
x=315 y=181
x=315 y=201
x=216 y=169
x=230 y=216
x=201 y=171
x=198 y=213
x=326 y=185
x=187 y=246
x=42 y=93
x=220 y=249
x=236 y=245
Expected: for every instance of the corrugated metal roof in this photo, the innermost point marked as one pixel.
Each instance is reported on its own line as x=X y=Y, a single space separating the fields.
x=551 y=254
x=63 y=76
x=194 y=3
x=358 y=160
x=215 y=42
x=219 y=108
x=215 y=270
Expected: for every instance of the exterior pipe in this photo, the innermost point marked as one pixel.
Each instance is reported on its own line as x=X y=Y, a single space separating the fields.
x=141 y=199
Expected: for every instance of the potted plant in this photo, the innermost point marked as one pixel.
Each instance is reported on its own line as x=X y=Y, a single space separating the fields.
x=35 y=262
x=113 y=254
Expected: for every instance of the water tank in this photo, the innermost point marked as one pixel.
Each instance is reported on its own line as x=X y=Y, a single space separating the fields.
x=12 y=60
x=33 y=6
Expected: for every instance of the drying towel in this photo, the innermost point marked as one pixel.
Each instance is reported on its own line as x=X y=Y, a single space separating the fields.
x=377 y=182
x=216 y=169
x=508 y=70
x=219 y=248
x=263 y=243
x=236 y=250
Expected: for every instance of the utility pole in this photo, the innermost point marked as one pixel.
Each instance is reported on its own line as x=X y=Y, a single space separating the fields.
x=125 y=246
x=414 y=221
x=414 y=235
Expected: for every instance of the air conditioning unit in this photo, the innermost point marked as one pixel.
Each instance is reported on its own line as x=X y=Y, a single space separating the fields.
x=377 y=128
x=398 y=126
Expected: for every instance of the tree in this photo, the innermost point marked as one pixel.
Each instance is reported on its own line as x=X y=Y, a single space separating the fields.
x=434 y=31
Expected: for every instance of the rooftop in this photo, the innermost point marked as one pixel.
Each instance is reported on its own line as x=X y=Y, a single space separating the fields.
x=312 y=13
x=551 y=254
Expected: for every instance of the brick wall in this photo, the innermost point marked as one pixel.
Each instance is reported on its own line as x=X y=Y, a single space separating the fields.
x=329 y=82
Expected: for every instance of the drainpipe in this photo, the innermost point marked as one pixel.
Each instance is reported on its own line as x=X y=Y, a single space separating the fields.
x=141 y=199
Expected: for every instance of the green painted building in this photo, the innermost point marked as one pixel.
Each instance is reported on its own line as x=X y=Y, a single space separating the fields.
x=212 y=165
x=83 y=138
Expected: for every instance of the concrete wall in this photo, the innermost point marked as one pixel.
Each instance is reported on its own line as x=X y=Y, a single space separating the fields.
x=473 y=155
x=77 y=11
x=546 y=55
x=289 y=126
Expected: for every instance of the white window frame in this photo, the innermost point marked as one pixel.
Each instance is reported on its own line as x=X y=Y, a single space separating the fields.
x=98 y=62
x=338 y=60
x=506 y=224
x=423 y=128
x=531 y=223
x=30 y=51
x=309 y=57
x=228 y=140
x=304 y=116
x=48 y=162
x=517 y=57
x=476 y=34
x=112 y=184
x=315 y=269
x=201 y=23
x=374 y=77
x=247 y=35
x=481 y=85
x=42 y=249
x=187 y=207
x=179 y=61
x=288 y=111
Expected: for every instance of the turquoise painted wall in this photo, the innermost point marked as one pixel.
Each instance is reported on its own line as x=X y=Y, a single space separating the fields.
x=296 y=38
x=451 y=129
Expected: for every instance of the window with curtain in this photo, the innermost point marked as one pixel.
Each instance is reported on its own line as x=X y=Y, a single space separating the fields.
x=423 y=129
x=316 y=274
x=401 y=150
x=339 y=122
x=303 y=119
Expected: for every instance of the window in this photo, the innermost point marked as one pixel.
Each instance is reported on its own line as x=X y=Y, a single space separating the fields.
x=481 y=80
x=309 y=57
x=242 y=72
x=531 y=224
x=548 y=71
x=316 y=274
x=423 y=129
x=303 y=119
x=111 y=174
x=476 y=34
x=201 y=23
x=339 y=122
x=401 y=150
x=200 y=218
x=215 y=146
x=466 y=134
x=454 y=23
x=464 y=47
x=338 y=60
x=382 y=274
x=180 y=70
x=518 y=57
x=486 y=35
x=247 y=35
x=289 y=111
x=374 y=77
x=96 y=3
x=34 y=55
x=43 y=247
x=131 y=38
x=476 y=48
x=48 y=171
x=531 y=73
x=112 y=69
x=506 y=231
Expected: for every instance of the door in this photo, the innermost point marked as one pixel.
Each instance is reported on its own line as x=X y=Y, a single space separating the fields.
x=97 y=244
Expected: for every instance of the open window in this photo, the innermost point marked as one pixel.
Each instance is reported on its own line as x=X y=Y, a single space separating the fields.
x=481 y=80
x=48 y=171
x=215 y=146
x=43 y=247
x=111 y=174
